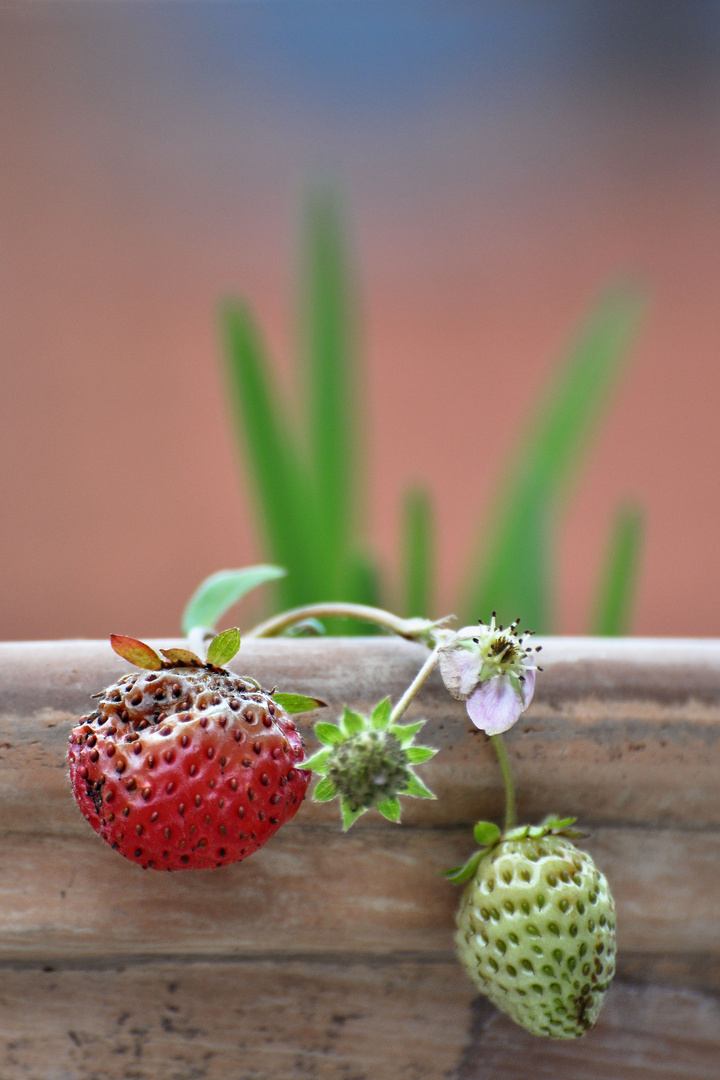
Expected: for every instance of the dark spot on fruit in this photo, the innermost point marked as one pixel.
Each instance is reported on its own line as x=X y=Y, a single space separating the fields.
x=207 y=819
x=241 y=811
x=193 y=769
x=168 y=755
x=221 y=852
x=233 y=784
x=198 y=800
x=274 y=821
x=267 y=721
x=265 y=779
x=275 y=799
x=181 y=808
x=136 y=699
x=211 y=784
x=170 y=787
x=120 y=767
x=210 y=751
x=185 y=858
x=146 y=793
x=261 y=816
x=223 y=830
x=126 y=811
x=139 y=829
x=185 y=740
x=250 y=794
x=276 y=751
x=291 y=775
x=131 y=784
x=203 y=721
x=154 y=816
x=110 y=750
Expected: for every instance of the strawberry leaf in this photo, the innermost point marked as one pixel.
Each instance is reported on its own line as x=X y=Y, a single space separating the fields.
x=486 y=833
x=182 y=658
x=380 y=717
x=298 y=703
x=390 y=809
x=417 y=754
x=416 y=787
x=460 y=874
x=223 y=647
x=349 y=816
x=352 y=723
x=325 y=790
x=220 y=591
x=318 y=762
x=137 y=652
x=329 y=734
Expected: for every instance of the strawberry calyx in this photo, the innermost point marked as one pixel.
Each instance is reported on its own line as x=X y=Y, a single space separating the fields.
x=368 y=762
x=488 y=836
x=221 y=650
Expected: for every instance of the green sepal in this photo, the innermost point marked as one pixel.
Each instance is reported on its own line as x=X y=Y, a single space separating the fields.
x=416 y=787
x=182 y=658
x=574 y=834
x=349 y=816
x=390 y=809
x=459 y=874
x=552 y=821
x=380 y=716
x=518 y=833
x=328 y=733
x=318 y=762
x=417 y=754
x=486 y=833
x=405 y=733
x=325 y=790
x=353 y=723
x=136 y=652
x=223 y=647
x=298 y=703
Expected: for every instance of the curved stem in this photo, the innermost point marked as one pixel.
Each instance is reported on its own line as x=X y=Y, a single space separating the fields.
x=507 y=775
x=275 y=625
x=414 y=686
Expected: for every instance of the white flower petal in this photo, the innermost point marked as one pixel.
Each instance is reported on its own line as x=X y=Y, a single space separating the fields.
x=496 y=705
x=460 y=668
x=528 y=687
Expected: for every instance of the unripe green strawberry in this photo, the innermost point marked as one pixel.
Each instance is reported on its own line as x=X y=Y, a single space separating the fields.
x=536 y=932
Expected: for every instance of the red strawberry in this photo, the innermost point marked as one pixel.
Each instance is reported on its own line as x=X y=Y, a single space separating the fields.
x=185 y=765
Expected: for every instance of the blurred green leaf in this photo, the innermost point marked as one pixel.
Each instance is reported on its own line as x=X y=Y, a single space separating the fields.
x=217 y=593
x=418 y=552
x=515 y=577
x=326 y=355
x=619 y=579
x=283 y=491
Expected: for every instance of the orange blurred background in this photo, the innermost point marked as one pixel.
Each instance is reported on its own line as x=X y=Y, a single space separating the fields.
x=499 y=165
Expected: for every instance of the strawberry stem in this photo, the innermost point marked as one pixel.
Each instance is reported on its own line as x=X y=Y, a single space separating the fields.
x=508 y=780
x=414 y=629
x=414 y=686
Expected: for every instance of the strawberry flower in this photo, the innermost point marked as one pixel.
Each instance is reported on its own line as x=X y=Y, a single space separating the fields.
x=491 y=669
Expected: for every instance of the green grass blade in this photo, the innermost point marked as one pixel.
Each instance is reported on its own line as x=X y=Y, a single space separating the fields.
x=219 y=592
x=618 y=584
x=516 y=574
x=327 y=353
x=417 y=552
x=282 y=492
